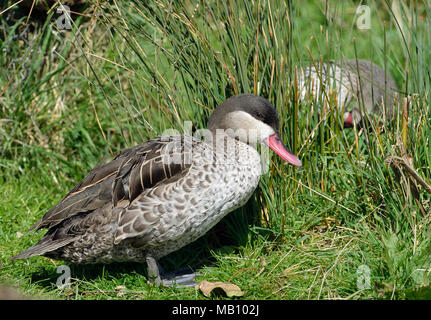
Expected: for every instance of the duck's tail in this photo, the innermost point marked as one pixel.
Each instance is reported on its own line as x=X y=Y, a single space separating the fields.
x=46 y=244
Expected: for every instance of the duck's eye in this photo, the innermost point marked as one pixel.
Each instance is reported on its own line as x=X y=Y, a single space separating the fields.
x=258 y=116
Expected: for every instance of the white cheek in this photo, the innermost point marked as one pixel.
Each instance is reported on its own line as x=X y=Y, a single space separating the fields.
x=247 y=128
x=264 y=131
x=356 y=115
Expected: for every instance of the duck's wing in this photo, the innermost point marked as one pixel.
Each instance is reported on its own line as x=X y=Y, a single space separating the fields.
x=124 y=178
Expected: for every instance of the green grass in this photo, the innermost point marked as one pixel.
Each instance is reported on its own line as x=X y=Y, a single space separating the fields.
x=70 y=98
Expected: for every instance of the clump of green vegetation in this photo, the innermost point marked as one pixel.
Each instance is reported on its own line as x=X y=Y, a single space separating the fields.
x=351 y=224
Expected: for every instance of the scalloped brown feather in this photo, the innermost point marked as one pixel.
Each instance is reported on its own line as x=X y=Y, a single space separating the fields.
x=125 y=177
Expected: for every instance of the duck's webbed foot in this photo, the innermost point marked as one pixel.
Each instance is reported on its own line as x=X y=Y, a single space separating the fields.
x=178 y=278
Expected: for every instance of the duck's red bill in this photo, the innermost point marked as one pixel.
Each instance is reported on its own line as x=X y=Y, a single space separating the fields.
x=348 y=122
x=277 y=145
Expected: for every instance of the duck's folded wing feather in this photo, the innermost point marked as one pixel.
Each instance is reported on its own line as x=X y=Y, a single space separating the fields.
x=124 y=178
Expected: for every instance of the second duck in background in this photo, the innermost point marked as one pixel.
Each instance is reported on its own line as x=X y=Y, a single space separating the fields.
x=354 y=81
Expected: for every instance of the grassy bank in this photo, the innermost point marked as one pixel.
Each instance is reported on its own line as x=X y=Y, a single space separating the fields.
x=127 y=72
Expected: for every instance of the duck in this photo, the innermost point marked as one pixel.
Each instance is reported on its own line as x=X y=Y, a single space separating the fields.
x=154 y=198
x=354 y=80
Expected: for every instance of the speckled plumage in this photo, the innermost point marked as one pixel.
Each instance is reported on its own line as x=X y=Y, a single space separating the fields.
x=162 y=218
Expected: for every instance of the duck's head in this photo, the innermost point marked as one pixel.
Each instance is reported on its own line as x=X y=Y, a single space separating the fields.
x=251 y=119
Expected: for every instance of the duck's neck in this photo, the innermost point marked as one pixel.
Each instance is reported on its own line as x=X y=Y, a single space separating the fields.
x=233 y=150
x=220 y=140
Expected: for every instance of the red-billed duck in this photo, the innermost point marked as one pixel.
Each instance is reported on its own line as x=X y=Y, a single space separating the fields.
x=157 y=197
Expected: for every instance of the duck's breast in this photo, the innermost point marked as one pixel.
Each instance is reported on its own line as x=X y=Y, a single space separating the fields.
x=215 y=185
